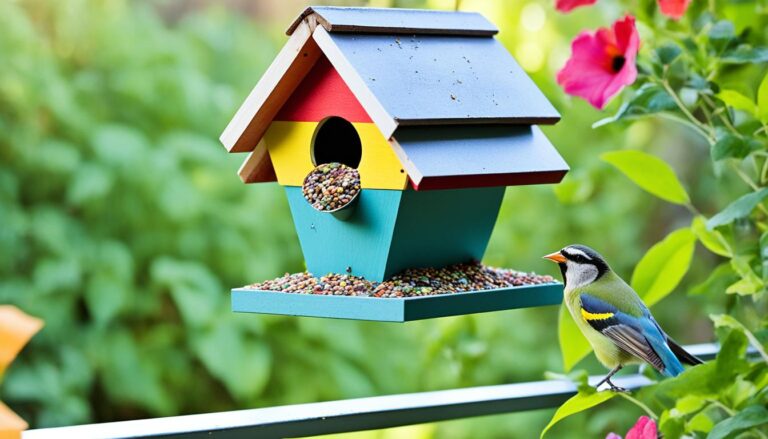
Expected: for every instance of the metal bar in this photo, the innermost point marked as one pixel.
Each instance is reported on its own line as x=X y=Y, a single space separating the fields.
x=352 y=414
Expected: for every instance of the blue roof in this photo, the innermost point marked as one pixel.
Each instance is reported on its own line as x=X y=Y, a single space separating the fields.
x=451 y=157
x=436 y=79
x=453 y=102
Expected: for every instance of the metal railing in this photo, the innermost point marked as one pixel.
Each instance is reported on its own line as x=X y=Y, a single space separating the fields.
x=352 y=414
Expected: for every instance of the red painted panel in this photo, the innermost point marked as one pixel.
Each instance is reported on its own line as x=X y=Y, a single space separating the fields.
x=466 y=181
x=322 y=93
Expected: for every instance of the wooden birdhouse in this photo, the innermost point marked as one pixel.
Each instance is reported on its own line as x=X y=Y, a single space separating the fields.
x=437 y=118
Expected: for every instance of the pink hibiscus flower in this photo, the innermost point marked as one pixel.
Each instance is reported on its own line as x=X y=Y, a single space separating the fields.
x=568 y=5
x=602 y=63
x=674 y=8
x=645 y=428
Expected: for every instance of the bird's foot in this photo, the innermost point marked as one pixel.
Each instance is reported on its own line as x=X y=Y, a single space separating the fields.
x=615 y=388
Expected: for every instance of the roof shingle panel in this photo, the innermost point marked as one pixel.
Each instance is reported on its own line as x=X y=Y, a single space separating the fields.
x=477 y=155
x=427 y=79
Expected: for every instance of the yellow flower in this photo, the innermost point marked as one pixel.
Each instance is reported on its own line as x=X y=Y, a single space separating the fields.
x=11 y=425
x=16 y=328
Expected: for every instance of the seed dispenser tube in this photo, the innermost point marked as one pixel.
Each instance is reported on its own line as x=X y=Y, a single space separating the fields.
x=333 y=188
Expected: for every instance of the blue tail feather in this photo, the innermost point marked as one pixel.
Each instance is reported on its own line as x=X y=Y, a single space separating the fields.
x=657 y=340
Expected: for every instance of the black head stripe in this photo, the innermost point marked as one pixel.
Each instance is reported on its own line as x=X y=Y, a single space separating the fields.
x=581 y=254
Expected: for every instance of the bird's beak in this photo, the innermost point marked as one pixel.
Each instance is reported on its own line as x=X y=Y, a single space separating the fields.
x=555 y=257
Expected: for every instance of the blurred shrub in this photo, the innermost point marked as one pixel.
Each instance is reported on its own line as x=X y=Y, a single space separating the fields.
x=123 y=226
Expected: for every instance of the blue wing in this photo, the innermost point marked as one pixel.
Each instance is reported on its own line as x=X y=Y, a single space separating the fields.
x=639 y=336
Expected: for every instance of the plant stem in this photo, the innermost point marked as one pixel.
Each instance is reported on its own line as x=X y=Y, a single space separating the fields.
x=756 y=344
x=764 y=172
x=637 y=402
x=687 y=123
x=703 y=128
x=747 y=179
x=719 y=113
x=723 y=407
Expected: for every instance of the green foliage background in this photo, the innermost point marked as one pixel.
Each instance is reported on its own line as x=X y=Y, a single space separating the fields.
x=123 y=225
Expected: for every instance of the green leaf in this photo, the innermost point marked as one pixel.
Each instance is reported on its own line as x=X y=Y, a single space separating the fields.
x=762 y=100
x=670 y=426
x=700 y=422
x=697 y=380
x=668 y=53
x=689 y=404
x=749 y=283
x=194 y=289
x=764 y=256
x=648 y=99
x=718 y=281
x=713 y=240
x=750 y=417
x=740 y=208
x=90 y=182
x=578 y=403
x=731 y=146
x=744 y=54
x=573 y=345
x=242 y=365
x=105 y=297
x=731 y=358
x=132 y=377
x=663 y=266
x=721 y=35
x=738 y=392
x=725 y=320
x=738 y=101
x=650 y=173
x=699 y=83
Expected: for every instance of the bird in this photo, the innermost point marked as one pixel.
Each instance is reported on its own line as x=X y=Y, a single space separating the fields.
x=613 y=318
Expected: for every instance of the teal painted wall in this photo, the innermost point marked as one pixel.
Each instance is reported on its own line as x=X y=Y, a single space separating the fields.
x=443 y=227
x=390 y=230
x=361 y=242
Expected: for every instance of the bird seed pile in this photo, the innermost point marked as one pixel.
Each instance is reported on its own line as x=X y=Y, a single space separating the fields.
x=413 y=282
x=331 y=186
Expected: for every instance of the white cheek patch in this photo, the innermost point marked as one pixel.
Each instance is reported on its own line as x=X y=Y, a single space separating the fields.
x=579 y=275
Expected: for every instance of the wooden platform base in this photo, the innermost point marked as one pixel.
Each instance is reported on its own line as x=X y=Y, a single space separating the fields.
x=395 y=309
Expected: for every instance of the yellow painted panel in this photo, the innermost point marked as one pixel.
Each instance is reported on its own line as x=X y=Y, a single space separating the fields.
x=290 y=145
x=379 y=166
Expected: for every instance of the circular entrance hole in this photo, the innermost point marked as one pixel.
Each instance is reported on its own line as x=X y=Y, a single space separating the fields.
x=336 y=140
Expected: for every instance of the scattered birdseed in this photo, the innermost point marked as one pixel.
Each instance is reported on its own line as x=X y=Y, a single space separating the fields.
x=457 y=278
x=331 y=186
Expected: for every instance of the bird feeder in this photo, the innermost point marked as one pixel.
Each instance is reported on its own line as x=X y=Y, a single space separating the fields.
x=437 y=118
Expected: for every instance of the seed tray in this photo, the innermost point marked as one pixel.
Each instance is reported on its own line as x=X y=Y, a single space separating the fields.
x=395 y=309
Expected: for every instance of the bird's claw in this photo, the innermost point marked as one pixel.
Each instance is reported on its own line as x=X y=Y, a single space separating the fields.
x=615 y=388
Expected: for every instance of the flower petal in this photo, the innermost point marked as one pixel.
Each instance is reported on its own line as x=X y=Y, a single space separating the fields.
x=674 y=9
x=16 y=328
x=645 y=428
x=569 y=5
x=590 y=74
